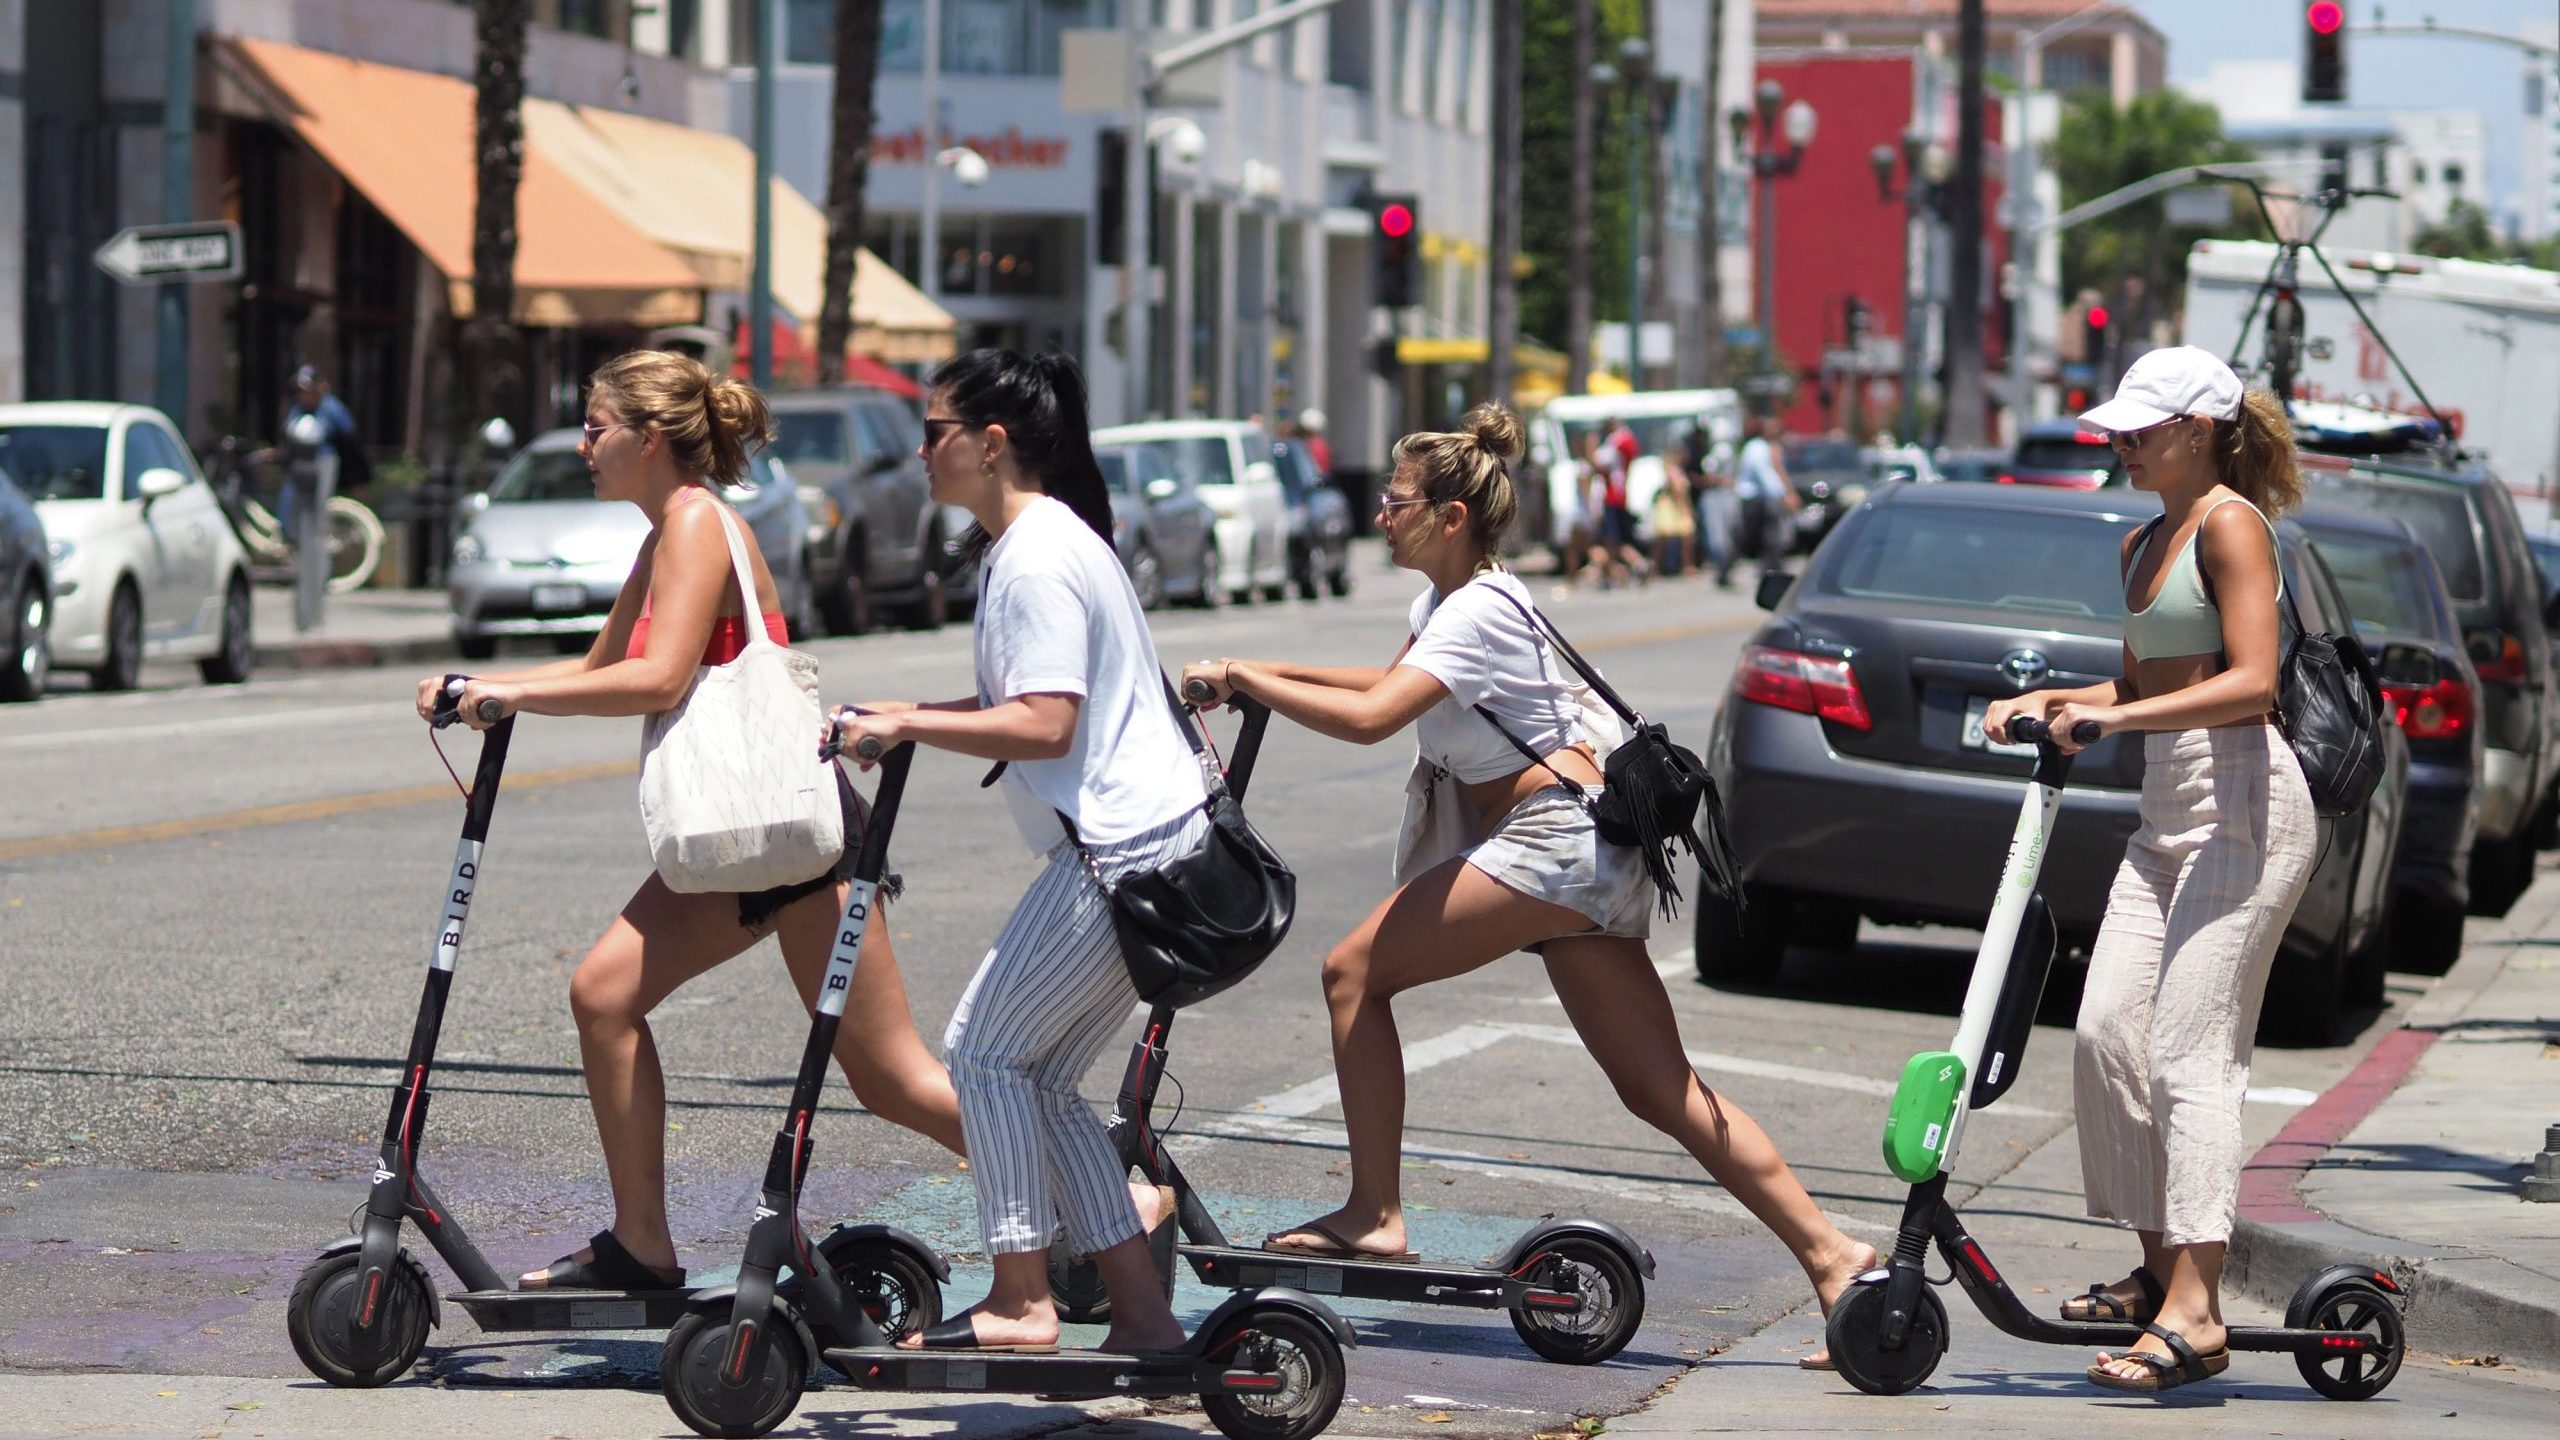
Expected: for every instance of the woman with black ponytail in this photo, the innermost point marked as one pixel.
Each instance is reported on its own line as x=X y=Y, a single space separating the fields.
x=1070 y=697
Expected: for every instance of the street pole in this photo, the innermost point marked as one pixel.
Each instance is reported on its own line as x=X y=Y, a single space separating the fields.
x=1768 y=268
x=177 y=203
x=1962 y=425
x=1137 y=210
x=760 y=276
x=1577 y=280
x=1502 y=300
x=1638 y=161
x=929 y=224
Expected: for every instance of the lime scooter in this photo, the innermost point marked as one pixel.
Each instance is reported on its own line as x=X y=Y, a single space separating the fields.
x=1889 y=1330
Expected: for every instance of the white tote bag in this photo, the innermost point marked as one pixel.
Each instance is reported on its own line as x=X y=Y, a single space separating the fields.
x=732 y=792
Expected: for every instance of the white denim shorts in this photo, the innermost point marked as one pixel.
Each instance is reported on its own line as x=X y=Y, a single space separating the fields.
x=1550 y=849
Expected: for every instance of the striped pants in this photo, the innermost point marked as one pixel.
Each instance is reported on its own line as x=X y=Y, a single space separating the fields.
x=2170 y=1014
x=1044 y=1001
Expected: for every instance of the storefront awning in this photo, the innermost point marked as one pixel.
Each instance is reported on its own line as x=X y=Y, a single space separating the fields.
x=403 y=138
x=693 y=192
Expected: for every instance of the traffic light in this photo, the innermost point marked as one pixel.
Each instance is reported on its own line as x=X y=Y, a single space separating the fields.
x=2095 y=318
x=1395 y=249
x=2324 y=50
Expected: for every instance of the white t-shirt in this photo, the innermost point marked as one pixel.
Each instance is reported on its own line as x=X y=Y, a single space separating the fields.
x=1487 y=653
x=1056 y=616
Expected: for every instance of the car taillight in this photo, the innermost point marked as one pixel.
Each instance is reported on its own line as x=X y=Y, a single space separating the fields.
x=2006 y=478
x=1806 y=684
x=2498 y=656
x=2441 y=711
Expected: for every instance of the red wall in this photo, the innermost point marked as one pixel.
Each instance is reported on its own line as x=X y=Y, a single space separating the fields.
x=1837 y=237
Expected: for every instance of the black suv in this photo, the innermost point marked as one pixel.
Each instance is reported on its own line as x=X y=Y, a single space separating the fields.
x=2470 y=527
x=875 y=536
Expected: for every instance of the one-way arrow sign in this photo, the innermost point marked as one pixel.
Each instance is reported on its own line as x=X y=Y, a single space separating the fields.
x=152 y=254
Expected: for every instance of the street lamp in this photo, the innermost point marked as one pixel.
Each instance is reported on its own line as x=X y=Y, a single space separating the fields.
x=1642 y=91
x=1794 y=125
x=1924 y=187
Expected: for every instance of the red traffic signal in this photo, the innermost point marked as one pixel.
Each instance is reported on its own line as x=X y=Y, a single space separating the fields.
x=2098 y=317
x=2324 y=52
x=2326 y=16
x=1395 y=221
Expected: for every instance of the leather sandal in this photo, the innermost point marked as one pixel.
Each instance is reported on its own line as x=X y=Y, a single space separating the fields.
x=611 y=1268
x=2181 y=1366
x=960 y=1332
x=1333 y=1246
x=2099 y=1306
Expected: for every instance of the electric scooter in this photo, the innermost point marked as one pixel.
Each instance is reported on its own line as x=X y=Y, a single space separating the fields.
x=1574 y=1288
x=1889 y=1330
x=1266 y=1365
x=361 y=1311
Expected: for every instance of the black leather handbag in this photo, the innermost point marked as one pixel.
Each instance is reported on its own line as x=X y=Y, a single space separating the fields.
x=1199 y=923
x=2329 y=705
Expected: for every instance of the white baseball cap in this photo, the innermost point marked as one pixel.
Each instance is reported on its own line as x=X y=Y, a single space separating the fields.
x=2165 y=384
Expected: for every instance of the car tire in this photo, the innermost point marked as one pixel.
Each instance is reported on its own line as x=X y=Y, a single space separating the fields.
x=29 y=660
x=2307 y=996
x=121 y=669
x=1212 y=592
x=2545 y=829
x=1146 y=576
x=239 y=653
x=846 y=604
x=2500 y=871
x=2372 y=960
x=1339 y=582
x=931 y=609
x=2426 y=934
x=1740 y=945
x=1302 y=572
x=476 y=647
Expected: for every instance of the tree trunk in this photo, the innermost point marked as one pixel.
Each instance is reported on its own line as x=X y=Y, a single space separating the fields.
x=1577 y=312
x=1709 y=340
x=857 y=61
x=1962 y=424
x=489 y=338
x=1502 y=304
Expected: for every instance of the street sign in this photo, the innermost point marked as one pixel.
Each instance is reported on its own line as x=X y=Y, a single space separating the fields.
x=153 y=254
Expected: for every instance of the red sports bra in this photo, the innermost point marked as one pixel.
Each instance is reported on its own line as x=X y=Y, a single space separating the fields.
x=728 y=637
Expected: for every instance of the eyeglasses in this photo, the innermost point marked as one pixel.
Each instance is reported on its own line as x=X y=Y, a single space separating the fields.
x=2133 y=439
x=595 y=432
x=1388 y=504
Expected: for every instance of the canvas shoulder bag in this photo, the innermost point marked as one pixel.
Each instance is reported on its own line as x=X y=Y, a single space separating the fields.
x=732 y=792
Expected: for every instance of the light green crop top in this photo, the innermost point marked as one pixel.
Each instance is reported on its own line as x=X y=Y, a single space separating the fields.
x=2182 y=619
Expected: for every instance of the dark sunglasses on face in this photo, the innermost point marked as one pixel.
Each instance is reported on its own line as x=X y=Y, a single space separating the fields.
x=2134 y=439
x=934 y=425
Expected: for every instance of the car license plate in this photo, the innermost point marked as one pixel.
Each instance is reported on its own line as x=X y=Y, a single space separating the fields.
x=1976 y=739
x=559 y=599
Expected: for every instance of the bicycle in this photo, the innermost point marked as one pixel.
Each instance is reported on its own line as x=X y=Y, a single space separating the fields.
x=355 y=534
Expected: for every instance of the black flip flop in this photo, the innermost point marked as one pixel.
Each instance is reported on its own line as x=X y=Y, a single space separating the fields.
x=2181 y=1366
x=1334 y=1247
x=612 y=1268
x=960 y=1332
x=2100 y=1307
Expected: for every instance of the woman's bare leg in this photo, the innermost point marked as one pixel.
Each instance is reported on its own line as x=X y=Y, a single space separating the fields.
x=2192 y=1274
x=892 y=1074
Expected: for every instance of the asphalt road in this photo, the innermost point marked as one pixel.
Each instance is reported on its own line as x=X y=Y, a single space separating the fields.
x=215 y=906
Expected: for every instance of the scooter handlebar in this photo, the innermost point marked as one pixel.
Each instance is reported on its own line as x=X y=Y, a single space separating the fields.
x=448 y=708
x=868 y=749
x=1198 y=691
x=2028 y=730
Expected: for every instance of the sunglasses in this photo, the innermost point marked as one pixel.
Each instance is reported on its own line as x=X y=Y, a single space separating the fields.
x=2134 y=439
x=595 y=432
x=933 y=425
x=1390 y=505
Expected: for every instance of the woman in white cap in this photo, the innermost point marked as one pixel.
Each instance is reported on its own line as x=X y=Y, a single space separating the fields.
x=2210 y=879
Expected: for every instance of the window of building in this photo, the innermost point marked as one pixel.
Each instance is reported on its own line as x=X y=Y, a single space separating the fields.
x=2071 y=70
x=1428 y=49
x=979 y=37
x=587 y=17
x=1464 y=44
x=1019 y=255
x=2418 y=172
x=2452 y=174
x=1348 y=57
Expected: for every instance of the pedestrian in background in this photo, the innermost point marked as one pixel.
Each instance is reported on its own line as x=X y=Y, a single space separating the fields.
x=1311 y=430
x=1675 y=516
x=1616 y=455
x=338 y=438
x=2211 y=877
x=1719 y=511
x=1768 y=497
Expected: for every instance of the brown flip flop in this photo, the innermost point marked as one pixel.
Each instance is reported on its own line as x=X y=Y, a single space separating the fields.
x=1334 y=1247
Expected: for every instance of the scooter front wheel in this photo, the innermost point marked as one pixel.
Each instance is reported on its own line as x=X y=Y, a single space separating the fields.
x=1856 y=1338
x=1612 y=1296
x=321 y=1321
x=1282 y=1376
x=690 y=1373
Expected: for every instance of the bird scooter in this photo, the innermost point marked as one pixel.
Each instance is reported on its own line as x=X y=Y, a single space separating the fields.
x=361 y=1311
x=1889 y=1330
x=1266 y=1365
x=1574 y=1288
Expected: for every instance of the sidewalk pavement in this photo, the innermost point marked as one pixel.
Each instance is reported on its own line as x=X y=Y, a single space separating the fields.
x=358 y=630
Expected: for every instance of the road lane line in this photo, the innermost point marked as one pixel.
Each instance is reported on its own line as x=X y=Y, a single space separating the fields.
x=182 y=729
x=1325 y=1093
x=300 y=810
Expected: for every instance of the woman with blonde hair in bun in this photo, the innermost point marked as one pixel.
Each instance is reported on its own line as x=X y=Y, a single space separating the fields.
x=660 y=431
x=1529 y=871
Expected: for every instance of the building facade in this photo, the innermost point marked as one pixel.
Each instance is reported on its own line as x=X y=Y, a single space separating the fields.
x=2538 y=206
x=2060 y=45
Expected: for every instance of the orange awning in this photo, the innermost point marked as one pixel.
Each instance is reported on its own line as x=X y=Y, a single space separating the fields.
x=403 y=138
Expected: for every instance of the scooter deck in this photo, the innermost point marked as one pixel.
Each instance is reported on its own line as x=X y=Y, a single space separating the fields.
x=501 y=1311
x=1236 y=1267
x=996 y=1372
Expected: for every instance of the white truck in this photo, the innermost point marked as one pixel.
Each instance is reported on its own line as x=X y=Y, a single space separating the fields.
x=2483 y=340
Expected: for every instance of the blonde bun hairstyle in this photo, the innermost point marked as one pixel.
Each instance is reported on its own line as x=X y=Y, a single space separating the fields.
x=1470 y=464
x=711 y=423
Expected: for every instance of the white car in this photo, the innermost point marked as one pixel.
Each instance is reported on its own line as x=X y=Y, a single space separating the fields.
x=145 y=565
x=1661 y=420
x=1230 y=460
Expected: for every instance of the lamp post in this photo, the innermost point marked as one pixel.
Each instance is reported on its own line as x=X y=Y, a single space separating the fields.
x=1633 y=70
x=1924 y=188
x=1794 y=125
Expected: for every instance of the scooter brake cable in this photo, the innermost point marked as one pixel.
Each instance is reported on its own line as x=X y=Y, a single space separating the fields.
x=448 y=765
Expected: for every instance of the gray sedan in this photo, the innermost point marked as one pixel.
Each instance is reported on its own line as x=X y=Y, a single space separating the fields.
x=542 y=556
x=1160 y=526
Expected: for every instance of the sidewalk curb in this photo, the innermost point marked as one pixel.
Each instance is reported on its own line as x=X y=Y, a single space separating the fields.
x=323 y=654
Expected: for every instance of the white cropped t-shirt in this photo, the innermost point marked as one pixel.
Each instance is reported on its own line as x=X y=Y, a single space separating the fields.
x=1484 y=648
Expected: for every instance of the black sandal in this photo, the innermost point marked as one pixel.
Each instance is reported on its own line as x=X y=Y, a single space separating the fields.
x=2181 y=1366
x=960 y=1332
x=2099 y=1306
x=612 y=1268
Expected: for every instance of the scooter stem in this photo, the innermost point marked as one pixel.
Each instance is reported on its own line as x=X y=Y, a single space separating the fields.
x=2000 y=933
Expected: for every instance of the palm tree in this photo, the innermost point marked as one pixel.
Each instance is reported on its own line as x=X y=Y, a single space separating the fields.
x=489 y=337
x=848 y=170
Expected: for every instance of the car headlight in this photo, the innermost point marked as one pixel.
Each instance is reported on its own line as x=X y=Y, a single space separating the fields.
x=469 y=551
x=60 y=550
x=821 y=508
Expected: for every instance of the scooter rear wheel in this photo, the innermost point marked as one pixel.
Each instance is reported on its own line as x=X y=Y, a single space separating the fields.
x=321 y=1321
x=2350 y=1305
x=1856 y=1338
x=1291 y=1353
x=689 y=1374
x=887 y=1280
x=1612 y=1302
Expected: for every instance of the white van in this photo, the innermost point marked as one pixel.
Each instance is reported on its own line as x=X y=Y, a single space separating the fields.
x=1661 y=420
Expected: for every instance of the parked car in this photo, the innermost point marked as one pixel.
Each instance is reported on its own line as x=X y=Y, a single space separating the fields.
x=144 y=564
x=1661 y=420
x=2060 y=453
x=2407 y=624
x=1858 y=782
x=1319 y=522
x=1830 y=477
x=2546 y=558
x=2469 y=524
x=876 y=539
x=1974 y=466
x=26 y=589
x=1162 y=528
x=1229 y=463
x=1899 y=462
x=540 y=555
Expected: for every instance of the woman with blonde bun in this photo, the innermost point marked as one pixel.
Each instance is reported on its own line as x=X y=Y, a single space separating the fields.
x=660 y=432
x=1529 y=870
